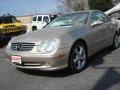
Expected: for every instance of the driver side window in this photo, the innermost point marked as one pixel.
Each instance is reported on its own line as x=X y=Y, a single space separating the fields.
x=98 y=16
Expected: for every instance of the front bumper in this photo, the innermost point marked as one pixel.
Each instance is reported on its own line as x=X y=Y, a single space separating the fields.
x=36 y=61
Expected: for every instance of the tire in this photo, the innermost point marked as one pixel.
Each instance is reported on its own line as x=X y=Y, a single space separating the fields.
x=77 y=57
x=116 y=41
x=34 y=28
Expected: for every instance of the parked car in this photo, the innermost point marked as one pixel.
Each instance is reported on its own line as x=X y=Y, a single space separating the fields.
x=10 y=26
x=39 y=21
x=115 y=16
x=66 y=42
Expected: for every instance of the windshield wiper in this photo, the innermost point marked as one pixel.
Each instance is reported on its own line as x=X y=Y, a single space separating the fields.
x=65 y=24
x=62 y=25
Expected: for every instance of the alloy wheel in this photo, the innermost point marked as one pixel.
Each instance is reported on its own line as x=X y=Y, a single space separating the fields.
x=117 y=41
x=79 y=57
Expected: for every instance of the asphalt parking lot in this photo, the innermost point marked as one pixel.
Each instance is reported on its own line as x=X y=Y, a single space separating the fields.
x=102 y=73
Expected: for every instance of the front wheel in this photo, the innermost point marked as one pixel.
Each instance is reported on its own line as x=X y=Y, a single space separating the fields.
x=34 y=28
x=77 y=58
x=116 y=41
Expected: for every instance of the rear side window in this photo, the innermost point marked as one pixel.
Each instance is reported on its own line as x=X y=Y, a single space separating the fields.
x=34 y=18
x=39 y=18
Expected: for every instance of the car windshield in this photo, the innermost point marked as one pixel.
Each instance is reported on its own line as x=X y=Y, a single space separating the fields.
x=70 y=19
x=7 y=19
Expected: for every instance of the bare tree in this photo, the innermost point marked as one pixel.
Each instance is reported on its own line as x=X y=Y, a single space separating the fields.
x=73 y=5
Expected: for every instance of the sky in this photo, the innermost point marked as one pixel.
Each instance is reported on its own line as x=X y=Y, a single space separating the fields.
x=27 y=7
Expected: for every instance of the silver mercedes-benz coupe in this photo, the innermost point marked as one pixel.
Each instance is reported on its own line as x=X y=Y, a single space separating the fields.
x=65 y=42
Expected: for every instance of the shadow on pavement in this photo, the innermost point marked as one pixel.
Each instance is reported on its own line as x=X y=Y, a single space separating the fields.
x=97 y=59
x=110 y=78
x=55 y=74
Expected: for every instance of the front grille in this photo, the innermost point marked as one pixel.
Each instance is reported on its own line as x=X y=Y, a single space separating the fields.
x=20 y=46
x=12 y=30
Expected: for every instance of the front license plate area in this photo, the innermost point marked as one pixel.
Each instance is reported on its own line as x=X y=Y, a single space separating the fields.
x=16 y=59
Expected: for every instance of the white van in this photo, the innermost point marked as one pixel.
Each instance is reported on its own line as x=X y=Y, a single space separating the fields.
x=39 y=21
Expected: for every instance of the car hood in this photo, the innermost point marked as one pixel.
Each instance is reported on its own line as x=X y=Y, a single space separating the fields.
x=43 y=34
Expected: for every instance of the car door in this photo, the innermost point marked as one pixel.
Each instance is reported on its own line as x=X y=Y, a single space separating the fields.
x=40 y=23
x=98 y=28
x=110 y=29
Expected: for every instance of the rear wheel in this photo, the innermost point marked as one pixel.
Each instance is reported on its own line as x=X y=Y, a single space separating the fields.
x=116 y=41
x=77 y=58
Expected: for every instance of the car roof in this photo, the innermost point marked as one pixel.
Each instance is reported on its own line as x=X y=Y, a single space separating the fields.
x=90 y=11
x=6 y=16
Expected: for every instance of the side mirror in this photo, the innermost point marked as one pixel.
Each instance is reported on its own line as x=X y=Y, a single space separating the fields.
x=95 y=23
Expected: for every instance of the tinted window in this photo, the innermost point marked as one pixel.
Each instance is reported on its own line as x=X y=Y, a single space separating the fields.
x=39 y=18
x=8 y=19
x=34 y=18
x=46 y=19
x=14 y=19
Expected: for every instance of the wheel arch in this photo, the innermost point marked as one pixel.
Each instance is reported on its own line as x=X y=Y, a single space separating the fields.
x=34 y=27
x=81 y=41
x=117 y=32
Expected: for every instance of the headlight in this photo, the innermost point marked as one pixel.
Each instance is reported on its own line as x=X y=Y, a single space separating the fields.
x=48 y=46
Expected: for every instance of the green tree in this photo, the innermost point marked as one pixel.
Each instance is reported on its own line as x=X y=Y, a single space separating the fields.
x=102 y=5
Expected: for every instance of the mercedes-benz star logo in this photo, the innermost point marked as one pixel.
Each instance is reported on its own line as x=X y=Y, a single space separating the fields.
x=19 y=46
